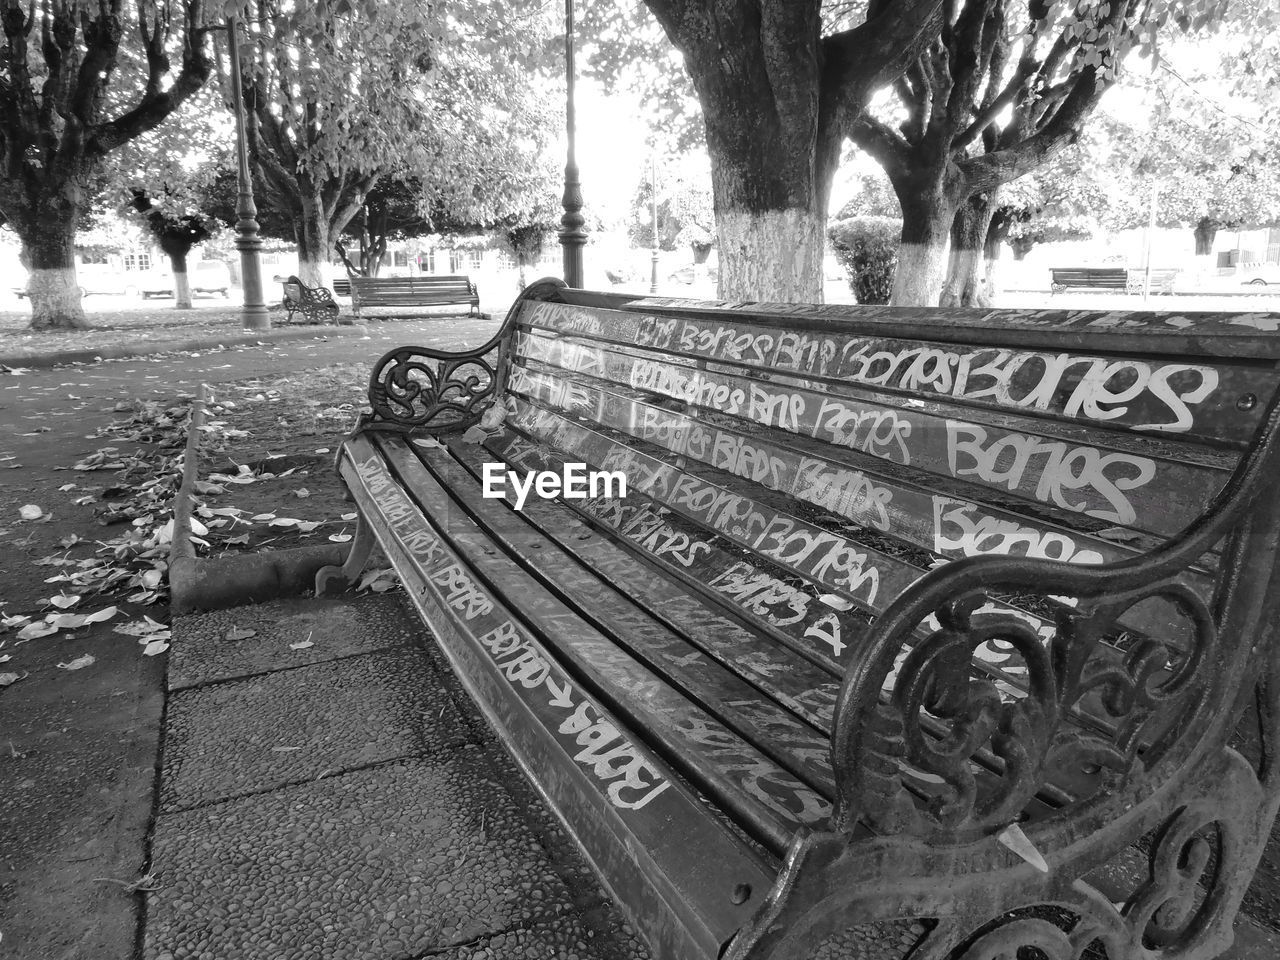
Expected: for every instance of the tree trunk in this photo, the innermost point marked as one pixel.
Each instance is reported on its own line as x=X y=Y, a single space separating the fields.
x=181 y=282
x=314 y=248
x=48 y=249
x=966 y=284
x=771 y=255
x=1206 y=231
x=922 y=255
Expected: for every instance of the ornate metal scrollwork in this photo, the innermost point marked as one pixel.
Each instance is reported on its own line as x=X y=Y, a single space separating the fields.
x=420 y=387
x=933 y=744
x=435 y=390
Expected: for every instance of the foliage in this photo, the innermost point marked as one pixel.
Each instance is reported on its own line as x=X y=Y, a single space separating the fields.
x=686 y=217
x=875 y=198
x=336 y=106
x=867 y=247
x=78 y=80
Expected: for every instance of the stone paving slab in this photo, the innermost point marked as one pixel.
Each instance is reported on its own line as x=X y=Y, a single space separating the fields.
x=402 y=860
x=336 y=628
x=565 y=938
x=258 y=733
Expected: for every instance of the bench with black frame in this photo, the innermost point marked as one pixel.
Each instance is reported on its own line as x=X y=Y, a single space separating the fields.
x=1088 y=278
x=316 y=304
x=922 y=632
x=399 y=293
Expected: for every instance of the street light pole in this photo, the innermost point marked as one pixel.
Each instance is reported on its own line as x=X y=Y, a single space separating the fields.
x=253 y=315
x=572 y=235
x=653 y=189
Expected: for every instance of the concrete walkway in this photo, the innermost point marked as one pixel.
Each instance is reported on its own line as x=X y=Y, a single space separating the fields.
x=344 y=800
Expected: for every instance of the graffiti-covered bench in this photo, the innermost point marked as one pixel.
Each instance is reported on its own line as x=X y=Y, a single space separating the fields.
x=920 y=630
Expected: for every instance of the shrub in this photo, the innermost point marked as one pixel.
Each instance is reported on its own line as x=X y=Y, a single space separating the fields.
x=867 y=248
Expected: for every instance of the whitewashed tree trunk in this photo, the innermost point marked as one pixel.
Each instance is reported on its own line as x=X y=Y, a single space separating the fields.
x=49 y=252
x=181 y=282
x=314 y=249
x=771 y=255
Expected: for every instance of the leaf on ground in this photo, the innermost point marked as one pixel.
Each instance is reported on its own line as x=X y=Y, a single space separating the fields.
x=301 y=645
x=100 y=616
x=207 y=488
x=33 y=631
x=283 y=522
x=322 y=449
x=30 y=512
x=236 y=633
x=154 y=648
x=302 y=493
x=373 y=576
x=146 y=628
x=339 y=537
x=10 y=678
x=71 y=541
x=79 y=663
x=348 y=516
x=262 y=517
x=306 y=526
x=65 y=487
x=64 y=600
x=17 y=620
x=239 y=541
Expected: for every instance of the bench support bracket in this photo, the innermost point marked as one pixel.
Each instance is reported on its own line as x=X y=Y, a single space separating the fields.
x=333 y=580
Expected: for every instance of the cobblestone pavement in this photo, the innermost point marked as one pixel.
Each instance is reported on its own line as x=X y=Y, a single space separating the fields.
x=344 y=800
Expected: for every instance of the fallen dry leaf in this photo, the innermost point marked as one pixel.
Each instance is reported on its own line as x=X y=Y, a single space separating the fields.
x=339 y=537
x=79 y=663
x=236 y=633
x=30 y=512
x=154 y=648
x=8 y=678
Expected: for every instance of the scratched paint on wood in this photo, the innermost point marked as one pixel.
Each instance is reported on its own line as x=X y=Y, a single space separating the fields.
x=1112 y=485
x=631 y=781
x=1160 y=394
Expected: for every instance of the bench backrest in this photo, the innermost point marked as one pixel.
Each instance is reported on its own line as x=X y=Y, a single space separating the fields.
x=1078 y=436
x=381 y=284
x=1089 y=274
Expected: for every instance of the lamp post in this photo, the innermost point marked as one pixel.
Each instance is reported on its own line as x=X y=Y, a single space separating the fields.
x=653 y=256
x=572 y=235
x=253 y=315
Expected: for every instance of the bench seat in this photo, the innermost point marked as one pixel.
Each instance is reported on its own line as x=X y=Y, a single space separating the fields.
x=818 y=681
x=398 y=293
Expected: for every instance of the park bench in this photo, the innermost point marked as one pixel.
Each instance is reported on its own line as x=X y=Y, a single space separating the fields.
x=419 y=291
x=1162 y=279
x=913 y=631
x=1088 y=278
x=316 y=304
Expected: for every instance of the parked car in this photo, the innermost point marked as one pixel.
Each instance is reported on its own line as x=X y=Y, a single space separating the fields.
x=207 y=276
x=211 y=276
x=1258 y=274
x=93 y=279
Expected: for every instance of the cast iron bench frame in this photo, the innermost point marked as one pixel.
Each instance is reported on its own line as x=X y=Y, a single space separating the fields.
x=423 y=290
x=948 y=877
x=1088 y=278
x=316 y=304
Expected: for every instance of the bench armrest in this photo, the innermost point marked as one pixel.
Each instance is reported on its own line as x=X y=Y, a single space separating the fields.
x=428 y=389
x=926 y=745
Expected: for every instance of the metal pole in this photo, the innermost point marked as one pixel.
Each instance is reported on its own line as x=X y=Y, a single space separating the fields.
x=253 y=315
x=1151 y=236
x=572 y=235
x=653 y=183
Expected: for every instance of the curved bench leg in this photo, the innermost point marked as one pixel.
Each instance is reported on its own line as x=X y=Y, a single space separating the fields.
x=332 y=580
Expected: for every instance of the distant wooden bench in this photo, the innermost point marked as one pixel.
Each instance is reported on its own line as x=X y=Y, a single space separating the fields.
x=316 y=304
x=342 y=287
x=909 y=624
x=1088 y=278
x=419 y=291
x=1162 y=280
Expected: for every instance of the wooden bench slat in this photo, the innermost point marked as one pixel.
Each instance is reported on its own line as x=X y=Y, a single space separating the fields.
x=804 y=688
x=834 y=557
x=1171 y=396
x=1123 y=488
x=662 y=852
x=766 y=800
x=777 y=733
x=947 y=521
x=1166 y=333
